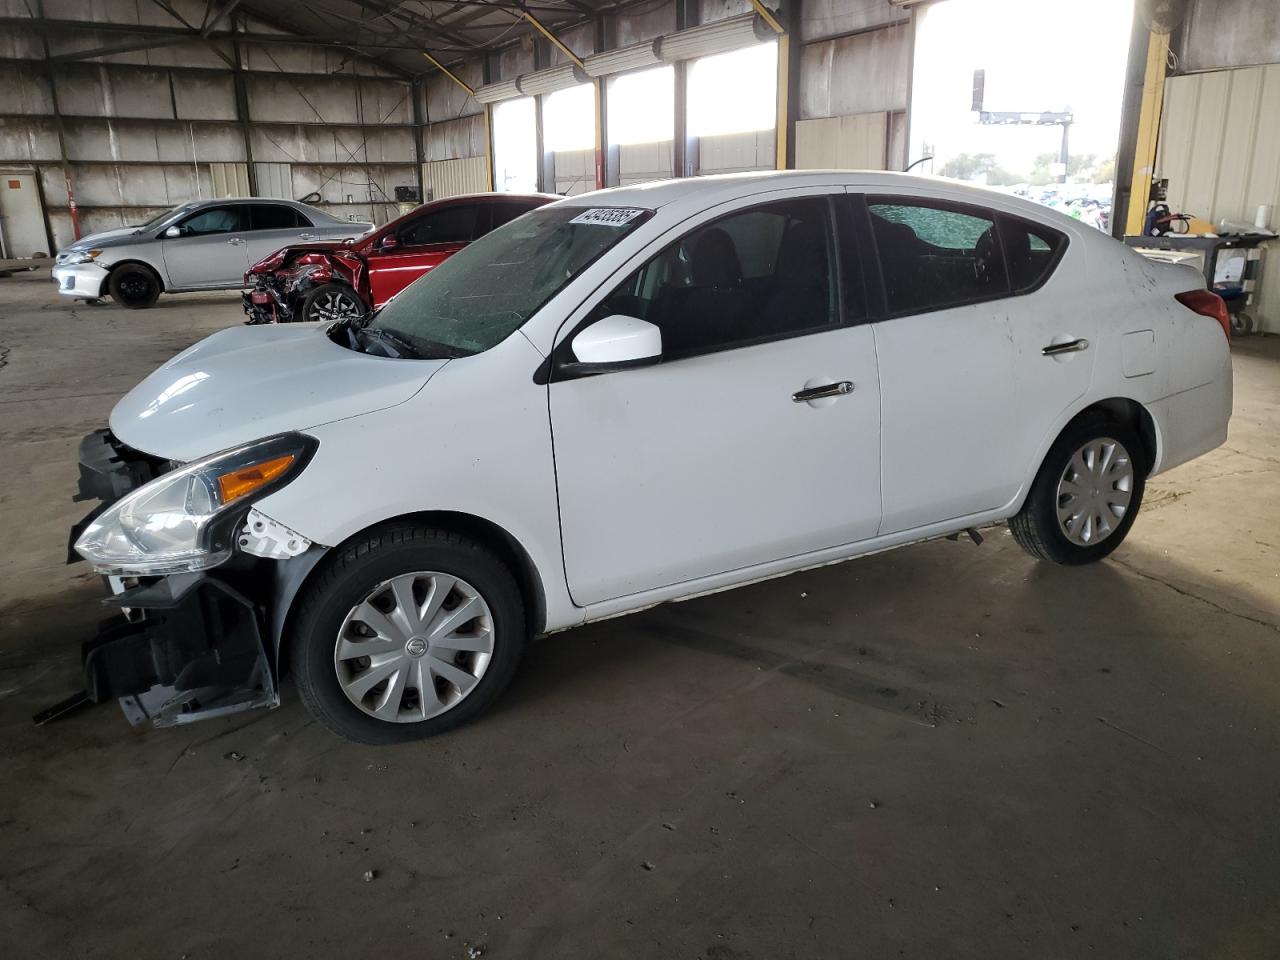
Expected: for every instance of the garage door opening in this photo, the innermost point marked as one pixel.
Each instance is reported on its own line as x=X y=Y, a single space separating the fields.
x=1023 y=96
x=569 y=136
x=642 y=122
x=733 y=109
x=515 y=146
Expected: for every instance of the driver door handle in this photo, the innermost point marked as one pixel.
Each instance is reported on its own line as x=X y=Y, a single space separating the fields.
x=838 y=389
x=236 y=240
x=306 y=236
x=1071 y=346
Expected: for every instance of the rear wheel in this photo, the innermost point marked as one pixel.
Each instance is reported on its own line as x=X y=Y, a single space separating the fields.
x=406 y=633
x=331 y=302
x=1086 y=495
x=134 y=286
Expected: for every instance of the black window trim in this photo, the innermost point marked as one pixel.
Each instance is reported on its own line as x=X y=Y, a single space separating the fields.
x=863 y=201
x=562 y=360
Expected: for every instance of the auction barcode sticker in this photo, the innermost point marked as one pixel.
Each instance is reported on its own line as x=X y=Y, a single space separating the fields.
x=607 y=216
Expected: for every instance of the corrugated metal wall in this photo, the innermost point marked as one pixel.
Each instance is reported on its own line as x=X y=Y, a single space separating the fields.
x=148 y=129
x=859 y=142
x=575 y=171
x=1220 y=150
x=737 y=152
x=450 y=178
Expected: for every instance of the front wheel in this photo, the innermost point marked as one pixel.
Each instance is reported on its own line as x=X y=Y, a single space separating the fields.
x=134 y=286
x=331 y=302
x=1086 y=495
x=405 y=633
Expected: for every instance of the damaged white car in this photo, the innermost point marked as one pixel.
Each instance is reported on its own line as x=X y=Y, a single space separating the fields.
x=624 y=398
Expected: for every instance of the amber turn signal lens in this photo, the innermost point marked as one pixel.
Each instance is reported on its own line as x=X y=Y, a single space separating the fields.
x=239 y=483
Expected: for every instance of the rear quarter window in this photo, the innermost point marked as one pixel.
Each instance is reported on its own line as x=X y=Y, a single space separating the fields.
x=1031 y=251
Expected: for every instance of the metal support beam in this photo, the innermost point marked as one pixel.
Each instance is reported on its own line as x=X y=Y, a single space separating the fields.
x=784 y=156
x=1145 y=135
x=451 y=75
x=537 y=25
x=242 y=115
x=767 y=16
x=62 y=143
x=129 y=47
x=605 y=157
x=418 y=91
x=211 y=23
x=684 y=159
x=486 y=76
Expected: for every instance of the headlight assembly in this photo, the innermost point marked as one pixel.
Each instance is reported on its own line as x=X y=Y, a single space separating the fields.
x=185 y=520
x=87 y=256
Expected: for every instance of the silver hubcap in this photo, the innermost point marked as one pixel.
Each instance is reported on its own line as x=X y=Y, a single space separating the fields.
x=333 y=306
x=414 y=647
x=1095 y=490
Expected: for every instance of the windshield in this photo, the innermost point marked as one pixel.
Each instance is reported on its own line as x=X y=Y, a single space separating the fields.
x=485 y=292
x=160 y=218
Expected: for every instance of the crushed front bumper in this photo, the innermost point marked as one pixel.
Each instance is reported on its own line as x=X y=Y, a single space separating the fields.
x=86 y=281
x=184 y=647
x=265 y=304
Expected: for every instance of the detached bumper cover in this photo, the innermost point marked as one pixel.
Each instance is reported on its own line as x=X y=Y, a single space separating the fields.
x=184 y=648
x=84 y=280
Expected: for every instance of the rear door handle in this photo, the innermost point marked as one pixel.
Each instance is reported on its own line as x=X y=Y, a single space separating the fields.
x=236 y=240
x=838 y=389
x=1071 y=346
x=306 y=236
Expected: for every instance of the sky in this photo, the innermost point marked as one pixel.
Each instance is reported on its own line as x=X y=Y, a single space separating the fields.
x=1038 y=55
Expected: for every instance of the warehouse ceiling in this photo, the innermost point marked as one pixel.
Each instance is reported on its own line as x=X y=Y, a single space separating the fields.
x=394 y=33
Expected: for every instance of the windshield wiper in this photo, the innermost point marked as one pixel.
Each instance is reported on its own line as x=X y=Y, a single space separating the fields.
x=400 y=346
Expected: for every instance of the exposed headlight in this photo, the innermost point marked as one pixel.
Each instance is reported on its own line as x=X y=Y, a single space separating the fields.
x=186 y=519
x=83 y=256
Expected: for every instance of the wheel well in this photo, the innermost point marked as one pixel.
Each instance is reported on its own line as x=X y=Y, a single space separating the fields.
x=133 y=263
x=1133 y=415
x=506 y=546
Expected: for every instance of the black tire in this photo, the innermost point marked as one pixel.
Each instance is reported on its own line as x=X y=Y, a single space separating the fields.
x=347 y=576
x=330 y=301
x=134 y=286
x=1036 y=527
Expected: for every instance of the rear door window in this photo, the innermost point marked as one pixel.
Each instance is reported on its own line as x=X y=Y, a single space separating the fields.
x=935 y=255
x=275 y=216
x=505 y=212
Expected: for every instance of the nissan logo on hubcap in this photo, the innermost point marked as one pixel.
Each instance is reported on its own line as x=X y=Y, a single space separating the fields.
x=416 y=647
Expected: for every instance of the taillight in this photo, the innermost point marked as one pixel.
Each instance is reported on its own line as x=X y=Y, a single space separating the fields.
x=1207 y=304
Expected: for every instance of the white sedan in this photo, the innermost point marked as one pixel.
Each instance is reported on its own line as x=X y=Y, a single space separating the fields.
x=625 y=398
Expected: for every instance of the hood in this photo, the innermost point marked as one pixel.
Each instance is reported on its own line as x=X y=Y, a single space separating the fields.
x=246 y=383
x=105 y=238
x=286 y=255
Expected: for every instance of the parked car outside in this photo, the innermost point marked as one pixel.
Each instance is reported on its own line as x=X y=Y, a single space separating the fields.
x=341 y=281
x=201 y=245
x=629 y=397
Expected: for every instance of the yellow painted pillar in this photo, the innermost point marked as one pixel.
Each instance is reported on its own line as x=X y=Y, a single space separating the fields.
x=1144 y=153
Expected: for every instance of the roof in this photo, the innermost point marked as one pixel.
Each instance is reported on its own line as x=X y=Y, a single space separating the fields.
x=395 y=33
x=726 y=186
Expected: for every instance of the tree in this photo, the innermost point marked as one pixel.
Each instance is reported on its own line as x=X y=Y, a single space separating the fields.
x=1106 y=171
x=974 y=166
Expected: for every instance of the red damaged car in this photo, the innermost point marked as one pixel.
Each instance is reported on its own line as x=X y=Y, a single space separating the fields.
x=328 y=281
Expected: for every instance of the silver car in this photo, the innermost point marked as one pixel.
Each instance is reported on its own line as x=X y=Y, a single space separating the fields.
x=201 y=245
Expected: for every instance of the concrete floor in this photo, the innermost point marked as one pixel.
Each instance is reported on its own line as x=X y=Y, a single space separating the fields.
x=944 y=751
